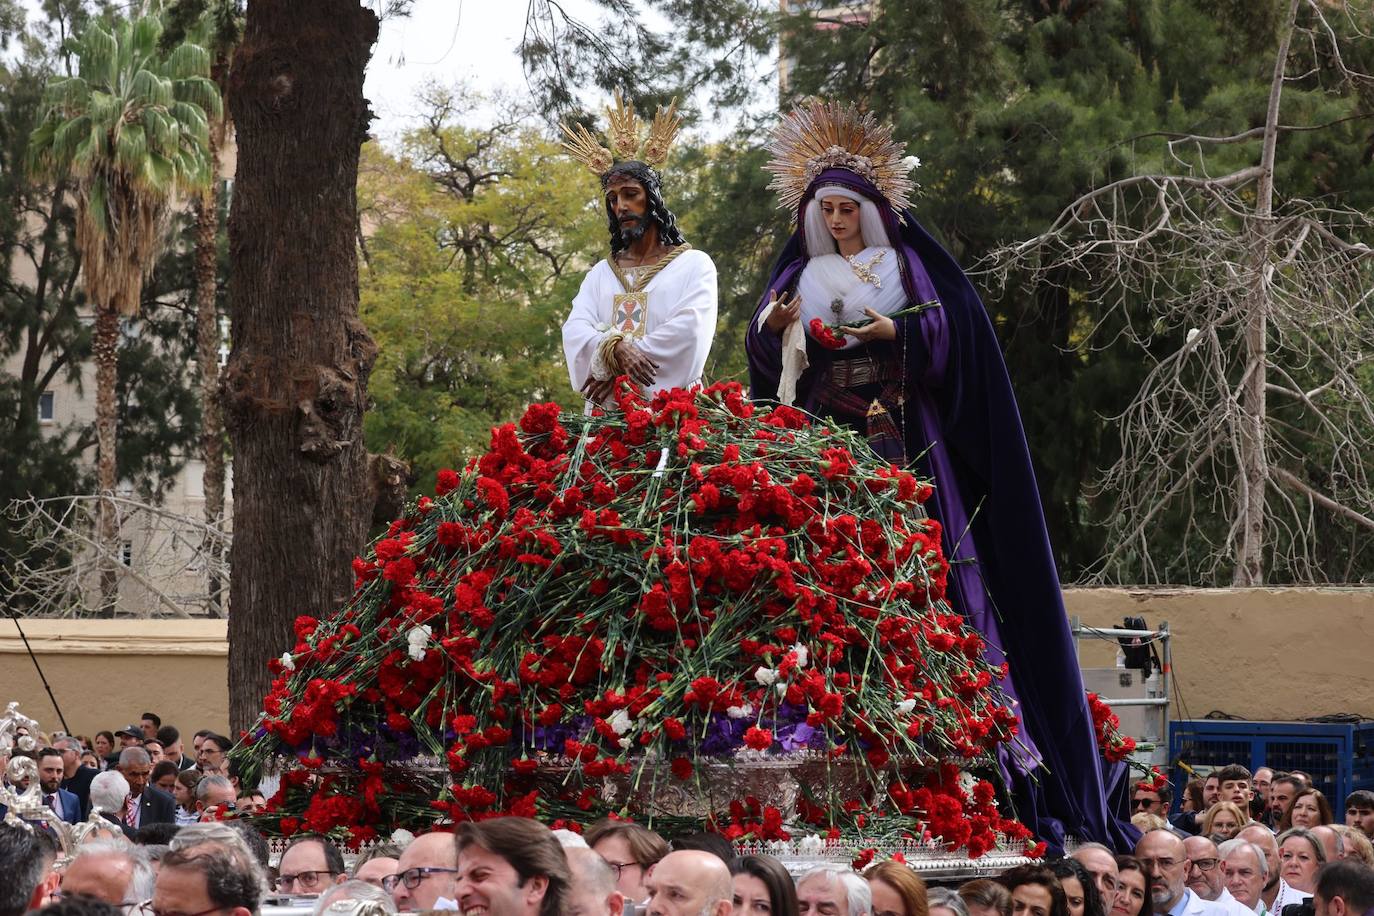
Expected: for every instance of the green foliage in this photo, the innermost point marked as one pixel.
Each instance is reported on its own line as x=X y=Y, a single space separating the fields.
x=44 y=328
x=475 y=242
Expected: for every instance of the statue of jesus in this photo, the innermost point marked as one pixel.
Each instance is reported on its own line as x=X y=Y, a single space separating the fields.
x=649 y=310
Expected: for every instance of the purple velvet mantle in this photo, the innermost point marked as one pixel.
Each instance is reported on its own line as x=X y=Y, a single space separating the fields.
x=962 y=420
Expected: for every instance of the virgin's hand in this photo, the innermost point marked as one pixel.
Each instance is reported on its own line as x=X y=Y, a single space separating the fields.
x=786 y=309
x=882 y=328
x=634 y=363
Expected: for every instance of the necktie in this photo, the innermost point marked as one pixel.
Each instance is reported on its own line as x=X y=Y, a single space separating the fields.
x=51 y=802
x=130 y=809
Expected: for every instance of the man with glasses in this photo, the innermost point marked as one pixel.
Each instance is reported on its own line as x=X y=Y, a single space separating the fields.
x=424 y=873
x=1167 y=866
x=120 y=875
x=1156 y=801
x=309 y=866
x=630 y=850
x=1207 y=878
x=209 y=879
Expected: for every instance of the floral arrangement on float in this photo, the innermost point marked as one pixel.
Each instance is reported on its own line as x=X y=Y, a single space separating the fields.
x=682 y=610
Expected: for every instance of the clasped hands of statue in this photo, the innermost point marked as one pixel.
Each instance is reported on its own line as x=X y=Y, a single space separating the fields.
x=632 y=362
x=787 y=309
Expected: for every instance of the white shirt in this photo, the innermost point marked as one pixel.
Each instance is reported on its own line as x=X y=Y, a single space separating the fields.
x=1232 y=905
x=677 y=327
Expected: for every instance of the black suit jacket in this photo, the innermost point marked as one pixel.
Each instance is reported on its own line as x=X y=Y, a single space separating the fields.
x=80 y=786
x=156 y=807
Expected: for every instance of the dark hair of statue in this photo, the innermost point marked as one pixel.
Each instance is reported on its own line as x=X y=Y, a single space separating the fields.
x=656 y=211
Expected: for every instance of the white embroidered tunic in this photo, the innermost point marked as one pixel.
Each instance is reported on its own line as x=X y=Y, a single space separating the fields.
x=673 y=325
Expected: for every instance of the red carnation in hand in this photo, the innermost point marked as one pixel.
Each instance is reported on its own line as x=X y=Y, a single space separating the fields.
x=824 y=335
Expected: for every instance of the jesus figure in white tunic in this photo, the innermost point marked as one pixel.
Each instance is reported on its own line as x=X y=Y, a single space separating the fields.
x=649 y=310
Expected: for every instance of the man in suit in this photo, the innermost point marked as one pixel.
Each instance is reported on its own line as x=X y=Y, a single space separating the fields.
x=172 y=749
x=1166 y=864
x=146 y=804
x=64 y=803
x=76 y=778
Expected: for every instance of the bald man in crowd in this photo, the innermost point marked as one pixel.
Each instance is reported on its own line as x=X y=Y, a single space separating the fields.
x=690 y=882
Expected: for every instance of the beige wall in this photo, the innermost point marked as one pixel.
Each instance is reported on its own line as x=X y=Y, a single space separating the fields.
x=1256 y=653
x=105 y=673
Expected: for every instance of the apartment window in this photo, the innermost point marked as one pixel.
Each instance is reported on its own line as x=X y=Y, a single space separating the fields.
x=45 y=407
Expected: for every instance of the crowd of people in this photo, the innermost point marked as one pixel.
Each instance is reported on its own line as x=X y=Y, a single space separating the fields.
x=1240 y=845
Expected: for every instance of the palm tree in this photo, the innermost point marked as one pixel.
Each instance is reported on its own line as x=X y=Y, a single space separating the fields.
x=131 y=129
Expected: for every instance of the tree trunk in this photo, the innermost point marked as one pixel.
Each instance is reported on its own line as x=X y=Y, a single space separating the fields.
x=296 y=385
x=105 y=345
x=1254 y=447
x=207 y=354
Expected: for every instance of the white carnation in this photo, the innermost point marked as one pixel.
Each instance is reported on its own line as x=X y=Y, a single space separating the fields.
x=905 y=707
x=810 y=845
x=740 y=712
x=803 y=656
x=417 y=638
x=911 y=163
x=620 y=722
x=287 y=662
x=766 y=676
x=402 y=837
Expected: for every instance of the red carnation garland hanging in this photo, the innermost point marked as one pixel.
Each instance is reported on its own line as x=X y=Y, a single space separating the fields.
x=682 y=603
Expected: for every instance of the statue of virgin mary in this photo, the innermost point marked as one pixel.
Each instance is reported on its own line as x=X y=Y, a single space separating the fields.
x=867 y=321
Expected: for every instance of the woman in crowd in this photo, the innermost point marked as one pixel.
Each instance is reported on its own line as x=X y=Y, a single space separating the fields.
x=1132 y=889
x=1300 y=855
x=764 y=888
x=897 y=890
x=1080 y=891
x=104 y=744
x=945 y=901
x=89 y=759
x=1035 y=891
x=1309 y=809
x=184 y=791
x=985 y=897
x=1223 y=821
x=164 y=776
x=1355 y=844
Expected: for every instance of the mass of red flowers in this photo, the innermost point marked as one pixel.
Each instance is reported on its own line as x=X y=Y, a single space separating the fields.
x=825 y=335
x=601 y=605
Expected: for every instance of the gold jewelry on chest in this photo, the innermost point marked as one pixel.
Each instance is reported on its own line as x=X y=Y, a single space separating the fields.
x=630 y=309
x=864 y=269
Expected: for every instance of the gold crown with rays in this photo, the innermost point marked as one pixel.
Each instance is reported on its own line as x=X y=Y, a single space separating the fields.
x=821 y=135
x=628 y=141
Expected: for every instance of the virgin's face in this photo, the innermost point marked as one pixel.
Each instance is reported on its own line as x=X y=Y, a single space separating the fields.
x=1130 y=894
x=1306 y=813
x=1298 y=864
x=842 y=218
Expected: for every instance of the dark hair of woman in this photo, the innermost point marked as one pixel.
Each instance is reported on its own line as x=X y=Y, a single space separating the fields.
x=1023 y=875
x=1092 y=899
x=782 y=892
x=1126 y=864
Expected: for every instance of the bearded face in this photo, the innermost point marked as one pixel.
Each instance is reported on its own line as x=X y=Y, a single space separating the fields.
x=627 y=205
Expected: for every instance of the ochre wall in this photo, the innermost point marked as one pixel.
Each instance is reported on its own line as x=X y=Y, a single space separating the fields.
x=1282 y=654
x=1254 y=653
x=105 y=673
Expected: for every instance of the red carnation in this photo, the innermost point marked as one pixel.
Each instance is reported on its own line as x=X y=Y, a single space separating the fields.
x=760 y=739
